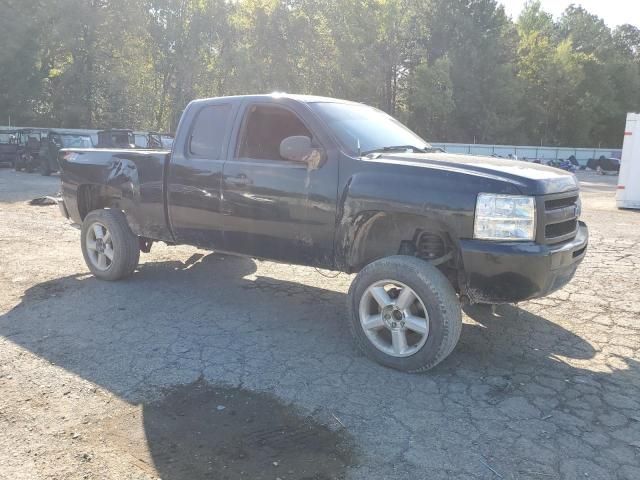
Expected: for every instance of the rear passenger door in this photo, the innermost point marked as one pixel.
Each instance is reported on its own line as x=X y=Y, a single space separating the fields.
x=273 y=207
x=195 y=175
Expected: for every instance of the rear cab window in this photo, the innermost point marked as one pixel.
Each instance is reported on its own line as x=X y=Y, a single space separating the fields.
x=209 y=132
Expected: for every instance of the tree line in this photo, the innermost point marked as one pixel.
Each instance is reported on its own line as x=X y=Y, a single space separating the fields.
x=453 y=70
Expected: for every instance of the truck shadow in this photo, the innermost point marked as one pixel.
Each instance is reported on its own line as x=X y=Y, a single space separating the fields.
x=219 y=356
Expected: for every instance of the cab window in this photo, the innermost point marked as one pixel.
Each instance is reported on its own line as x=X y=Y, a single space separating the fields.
x=265 y=127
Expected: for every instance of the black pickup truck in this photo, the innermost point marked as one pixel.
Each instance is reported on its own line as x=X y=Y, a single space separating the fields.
x=338 y=185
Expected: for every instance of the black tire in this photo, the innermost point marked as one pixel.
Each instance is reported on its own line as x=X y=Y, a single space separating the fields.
x=126 y=246
x=438 y=297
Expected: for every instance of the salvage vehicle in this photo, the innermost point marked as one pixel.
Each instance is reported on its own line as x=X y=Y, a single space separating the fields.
x=562 y=164
x=57 y=139
x=116 y=138
x=29 y=146
x=604 y=165
x=8 y=147
x=338 y=185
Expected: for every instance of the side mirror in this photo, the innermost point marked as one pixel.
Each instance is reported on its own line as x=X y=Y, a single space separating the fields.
x=296 y=149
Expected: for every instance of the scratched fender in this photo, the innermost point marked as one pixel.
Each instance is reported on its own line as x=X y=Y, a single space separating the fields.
x=380 y=207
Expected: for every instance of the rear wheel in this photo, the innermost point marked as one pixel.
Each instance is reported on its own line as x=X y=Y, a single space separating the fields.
x=404 y=313
x=110 y=249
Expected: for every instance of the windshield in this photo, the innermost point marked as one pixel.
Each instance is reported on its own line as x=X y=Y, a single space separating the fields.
x=76 y=141
x=371 y=127
x=123 y=139
x=25 y=136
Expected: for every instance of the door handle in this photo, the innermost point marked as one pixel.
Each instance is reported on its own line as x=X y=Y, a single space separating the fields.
x=239 y=180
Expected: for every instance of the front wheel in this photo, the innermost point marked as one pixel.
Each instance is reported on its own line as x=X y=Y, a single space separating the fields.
x=110 y=249
x=404 y=313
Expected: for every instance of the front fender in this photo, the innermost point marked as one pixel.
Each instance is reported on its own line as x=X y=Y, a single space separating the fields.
x=378 y=213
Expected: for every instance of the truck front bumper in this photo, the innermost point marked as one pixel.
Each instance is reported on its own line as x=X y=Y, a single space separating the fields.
x=503 y=272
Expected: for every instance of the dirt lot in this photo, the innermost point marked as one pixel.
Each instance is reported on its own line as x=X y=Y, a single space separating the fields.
x=210 y=366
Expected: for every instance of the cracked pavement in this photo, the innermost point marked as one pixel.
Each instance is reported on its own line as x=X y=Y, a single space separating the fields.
x=547 y=389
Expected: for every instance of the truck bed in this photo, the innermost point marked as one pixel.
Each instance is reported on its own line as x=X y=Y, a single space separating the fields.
x=134 y=177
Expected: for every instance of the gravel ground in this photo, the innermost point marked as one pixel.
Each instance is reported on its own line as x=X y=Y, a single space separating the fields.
x=121 y=380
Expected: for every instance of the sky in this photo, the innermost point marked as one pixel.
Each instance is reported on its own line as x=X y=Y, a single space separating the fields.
x=613 y=12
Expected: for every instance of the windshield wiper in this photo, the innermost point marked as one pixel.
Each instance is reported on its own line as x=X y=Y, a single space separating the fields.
x=395 y=148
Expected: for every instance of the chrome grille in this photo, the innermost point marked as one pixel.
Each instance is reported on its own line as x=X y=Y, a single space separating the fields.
x=560 y=217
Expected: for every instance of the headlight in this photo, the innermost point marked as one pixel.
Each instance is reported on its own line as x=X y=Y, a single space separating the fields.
x=505 y=217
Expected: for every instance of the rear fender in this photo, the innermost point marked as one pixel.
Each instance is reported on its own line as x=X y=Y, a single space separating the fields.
x=120 y=189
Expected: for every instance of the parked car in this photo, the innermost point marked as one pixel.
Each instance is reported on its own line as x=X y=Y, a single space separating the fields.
x=116 y=138
x=29 y=146
x=604 y=165
x=62 y=138
x=338 y=185
x=8 y=147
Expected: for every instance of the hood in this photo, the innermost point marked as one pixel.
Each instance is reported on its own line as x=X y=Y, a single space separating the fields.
x=529 y=178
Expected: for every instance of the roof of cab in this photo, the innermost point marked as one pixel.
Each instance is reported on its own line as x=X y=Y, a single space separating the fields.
x=32 y=129
x=277 y=95
x=72 y=131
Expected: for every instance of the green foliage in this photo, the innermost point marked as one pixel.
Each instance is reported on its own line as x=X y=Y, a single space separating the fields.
x=431 y=94
x=453 y=70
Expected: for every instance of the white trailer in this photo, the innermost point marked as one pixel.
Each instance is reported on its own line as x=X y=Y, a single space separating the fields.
x=628 y=192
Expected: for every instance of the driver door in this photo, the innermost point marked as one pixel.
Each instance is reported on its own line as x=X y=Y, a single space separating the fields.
x=273 y=207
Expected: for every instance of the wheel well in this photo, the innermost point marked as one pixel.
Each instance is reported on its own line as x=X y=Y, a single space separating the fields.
x=92 y=197
x=384 y=235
